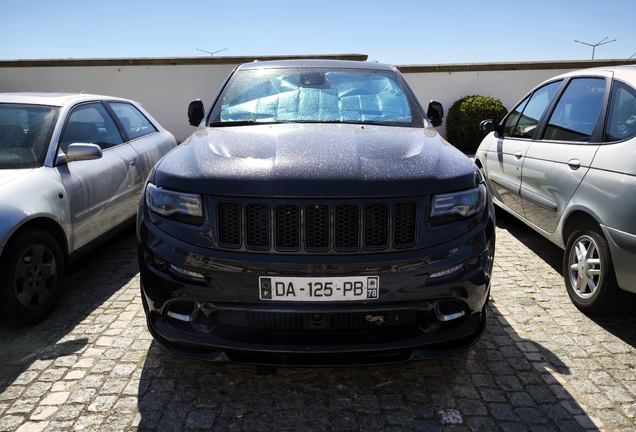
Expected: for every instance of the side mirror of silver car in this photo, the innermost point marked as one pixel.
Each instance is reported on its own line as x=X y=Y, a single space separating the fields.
x=490 y=126
x=78 y=152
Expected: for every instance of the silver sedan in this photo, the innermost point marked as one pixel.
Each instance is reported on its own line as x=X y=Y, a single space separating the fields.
x=72 y=167
x=564 y=162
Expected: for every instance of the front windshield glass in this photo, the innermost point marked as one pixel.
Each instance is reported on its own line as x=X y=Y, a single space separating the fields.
x=314 y=95
x=25 y=131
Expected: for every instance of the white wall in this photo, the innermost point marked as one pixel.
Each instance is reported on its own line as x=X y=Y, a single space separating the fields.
x=447 y=87
x=166 y=90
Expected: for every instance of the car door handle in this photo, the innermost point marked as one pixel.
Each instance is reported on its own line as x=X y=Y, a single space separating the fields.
x=132 y=161
x=574 y=164
x=518 y=155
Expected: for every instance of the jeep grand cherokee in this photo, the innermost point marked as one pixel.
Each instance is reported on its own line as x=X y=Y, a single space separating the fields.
x=315 y=217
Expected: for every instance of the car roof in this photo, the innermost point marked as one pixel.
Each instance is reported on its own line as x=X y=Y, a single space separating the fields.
x=51 y=99
x=339 y=64
x=626 y=71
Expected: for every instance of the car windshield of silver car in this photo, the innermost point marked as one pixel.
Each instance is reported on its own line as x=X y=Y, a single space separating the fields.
x=25 y=131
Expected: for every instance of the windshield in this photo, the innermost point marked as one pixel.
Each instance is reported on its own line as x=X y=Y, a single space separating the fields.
x=314 y=95
x=25 y=131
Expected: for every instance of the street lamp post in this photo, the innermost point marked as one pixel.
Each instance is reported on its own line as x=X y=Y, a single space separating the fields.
x=211 y=52
x=595 y=45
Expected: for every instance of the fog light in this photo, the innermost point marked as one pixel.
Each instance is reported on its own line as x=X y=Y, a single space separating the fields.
x=447 y=272
x=185 y=272
x=317 y=318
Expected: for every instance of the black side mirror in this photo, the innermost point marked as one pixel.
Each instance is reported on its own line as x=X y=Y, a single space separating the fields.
x=435 y=112
x=490 y=125
x=487 y=125
x=196 y=112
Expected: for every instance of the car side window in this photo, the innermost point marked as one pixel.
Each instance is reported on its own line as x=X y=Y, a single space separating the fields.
x=578 y=111
x=511 y=122
x=134 y=122
x=90 y=123
x=533 y=110
x=622 y=113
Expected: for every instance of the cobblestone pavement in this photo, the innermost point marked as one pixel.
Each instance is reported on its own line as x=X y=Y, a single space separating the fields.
x=541 y=366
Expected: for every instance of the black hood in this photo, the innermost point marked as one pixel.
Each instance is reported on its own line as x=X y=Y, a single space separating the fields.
x=315 y=160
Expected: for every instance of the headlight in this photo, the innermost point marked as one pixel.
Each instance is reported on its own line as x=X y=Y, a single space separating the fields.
x=456 y=206
x=181 y=206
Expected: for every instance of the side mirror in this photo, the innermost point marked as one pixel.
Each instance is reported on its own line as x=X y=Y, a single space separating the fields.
x=487 y=125
x=435 y=112
x=490 y=126
x=196 y=112
x=79 y=152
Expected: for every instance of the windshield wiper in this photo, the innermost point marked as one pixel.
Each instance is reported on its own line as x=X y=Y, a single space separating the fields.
x=254 y=122
x=233 y=123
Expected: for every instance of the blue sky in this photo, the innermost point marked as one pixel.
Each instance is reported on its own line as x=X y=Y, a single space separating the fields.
x=400 y=32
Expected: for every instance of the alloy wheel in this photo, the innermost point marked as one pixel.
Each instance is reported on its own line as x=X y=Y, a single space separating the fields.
x=585 y=267
x=35 y=277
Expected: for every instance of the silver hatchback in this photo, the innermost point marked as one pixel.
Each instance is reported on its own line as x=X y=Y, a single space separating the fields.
x=564 y=162
x=72 y=167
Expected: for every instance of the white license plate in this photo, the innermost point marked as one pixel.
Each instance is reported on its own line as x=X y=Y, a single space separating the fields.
x=319 y=288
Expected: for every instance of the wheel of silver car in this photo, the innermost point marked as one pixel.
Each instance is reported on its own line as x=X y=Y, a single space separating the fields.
x=589 y=274
x=32 y=270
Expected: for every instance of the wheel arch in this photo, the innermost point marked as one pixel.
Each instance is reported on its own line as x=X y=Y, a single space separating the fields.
x=50 y=226
x=579 y=220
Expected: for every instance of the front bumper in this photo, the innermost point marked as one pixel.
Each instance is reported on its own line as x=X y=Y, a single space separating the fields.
x=222 y=318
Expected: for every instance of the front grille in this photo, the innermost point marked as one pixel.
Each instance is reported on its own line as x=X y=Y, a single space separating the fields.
x=354 y=321
x=347 y=232
x=229 y=221
x=257 y=233
x=404 y=224
x=334 y=226
x=376 y=225
x=287 y=227
x=302 y=321
x=262 y=320
x=317 y=224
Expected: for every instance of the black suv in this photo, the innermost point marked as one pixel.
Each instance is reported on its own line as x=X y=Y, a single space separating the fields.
x=315 y=217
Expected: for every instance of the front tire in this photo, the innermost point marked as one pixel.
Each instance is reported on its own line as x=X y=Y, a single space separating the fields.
x=31 y=277
x=589 y=274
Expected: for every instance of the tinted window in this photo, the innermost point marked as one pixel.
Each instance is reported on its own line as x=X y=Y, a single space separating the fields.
x=90 y=123
x=133 y=121
x=532 y=111
x=622 y=113
x=25 y=132
x=314 y=95
x=577 y=112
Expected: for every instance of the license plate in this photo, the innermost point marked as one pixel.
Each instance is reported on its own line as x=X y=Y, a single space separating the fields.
x=319 y=288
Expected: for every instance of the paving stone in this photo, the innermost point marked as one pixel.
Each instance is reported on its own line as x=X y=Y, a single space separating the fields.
x=481 y=424
x=367 y=404
x=541 y=366
x=57 y=398
x=502 y=411
x=425 y=426
x=467 y=392
x=394 y=401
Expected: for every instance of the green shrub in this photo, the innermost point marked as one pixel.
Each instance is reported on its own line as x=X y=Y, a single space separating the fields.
x=462 y=122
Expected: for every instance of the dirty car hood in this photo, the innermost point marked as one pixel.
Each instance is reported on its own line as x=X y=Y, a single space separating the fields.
x=315 y=160
x=8 y=175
